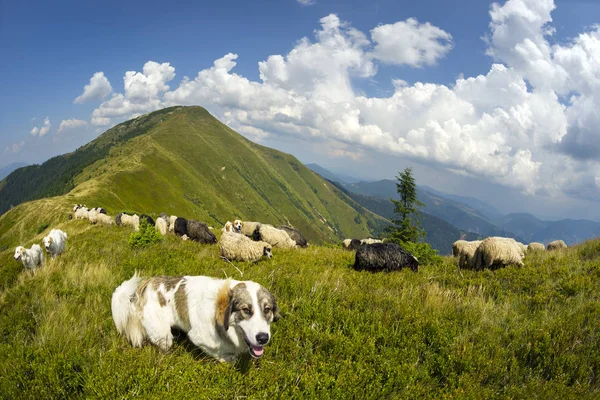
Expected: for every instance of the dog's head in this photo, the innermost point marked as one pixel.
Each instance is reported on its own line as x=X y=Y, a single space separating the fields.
x=47 y=242
x=237 y=226
x=19 y=252
x=249 y=308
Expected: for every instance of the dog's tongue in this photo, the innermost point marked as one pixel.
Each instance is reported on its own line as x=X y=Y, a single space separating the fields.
x=258 y=350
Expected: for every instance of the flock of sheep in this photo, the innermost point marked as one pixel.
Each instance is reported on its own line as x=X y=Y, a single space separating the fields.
x=496 y=252
x=250 y=241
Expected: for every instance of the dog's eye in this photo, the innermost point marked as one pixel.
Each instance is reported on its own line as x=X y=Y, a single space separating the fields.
x=267 y=309
x=246 y=310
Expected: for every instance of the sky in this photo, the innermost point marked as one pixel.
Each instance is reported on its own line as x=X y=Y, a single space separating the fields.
x=494 y=100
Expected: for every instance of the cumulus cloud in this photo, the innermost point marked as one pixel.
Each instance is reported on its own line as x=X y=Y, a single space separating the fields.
x=14 y=148
x=528 y=123
x=98 y=88
x=410 y=43
x=307 y=2
x=71 y=124
x=42 y=130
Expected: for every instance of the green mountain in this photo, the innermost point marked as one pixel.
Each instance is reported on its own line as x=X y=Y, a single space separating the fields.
x=182 y=161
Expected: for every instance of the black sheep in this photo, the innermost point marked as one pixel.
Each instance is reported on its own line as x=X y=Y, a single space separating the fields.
x=384 y=257
x=148 y=219
x=199 y=232
x=354 y=244
x=295 y=235
x=181 y=226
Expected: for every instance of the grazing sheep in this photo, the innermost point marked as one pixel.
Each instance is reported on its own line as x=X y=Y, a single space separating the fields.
x=171 y=221
x=181 y=226
x=164 y=216
x=55 y=242
x=104 y=219
x=346 y=243
x=248 y=227
x=147 y=218
x=275 y=237
x=199 y=232
x=93 y=216
x=295 y=235
x=235 y=246
x=99 y=210
x=370 y=241
x=466 y=253
x=352 y=244
x=161 y=225
x=556 y=244
x=31 y=258
x=536 y=246
x=82 y=213
x=78 y=206
x=185 y=237
x=456 y=246
x=384 y=257
x=118 y=219
x=498 y=251
x=131 y=220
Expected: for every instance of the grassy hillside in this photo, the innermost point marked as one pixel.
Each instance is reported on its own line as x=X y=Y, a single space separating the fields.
x=529 y=332
x=185 y=162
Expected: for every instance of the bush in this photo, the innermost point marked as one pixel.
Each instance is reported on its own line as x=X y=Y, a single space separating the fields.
x=146 y=236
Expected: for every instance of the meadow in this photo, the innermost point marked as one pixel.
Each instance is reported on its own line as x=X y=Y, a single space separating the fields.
x=531 y=332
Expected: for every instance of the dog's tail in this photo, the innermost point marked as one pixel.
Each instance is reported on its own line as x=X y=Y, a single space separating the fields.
x=126 y=313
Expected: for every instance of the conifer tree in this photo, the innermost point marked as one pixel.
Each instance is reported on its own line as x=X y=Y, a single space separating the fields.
x=407 y=225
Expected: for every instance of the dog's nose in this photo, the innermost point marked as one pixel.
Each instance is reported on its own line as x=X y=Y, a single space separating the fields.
x=262 y=338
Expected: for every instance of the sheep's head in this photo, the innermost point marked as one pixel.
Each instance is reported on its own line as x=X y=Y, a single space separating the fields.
x=267 y=252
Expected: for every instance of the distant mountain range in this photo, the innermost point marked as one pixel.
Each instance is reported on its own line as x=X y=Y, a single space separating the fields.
x=474 y=216
x=7 y=169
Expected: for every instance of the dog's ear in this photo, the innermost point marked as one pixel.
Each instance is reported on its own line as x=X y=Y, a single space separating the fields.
x=276 y=314
x=223 y=307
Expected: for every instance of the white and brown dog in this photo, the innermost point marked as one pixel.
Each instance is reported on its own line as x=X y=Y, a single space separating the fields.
x=31 y=258
x=222 y=317
x=55 y=242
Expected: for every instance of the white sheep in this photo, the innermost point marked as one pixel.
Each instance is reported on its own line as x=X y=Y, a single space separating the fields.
x=248 y=227
x=131 y=220
x=346 y=243
x=556 y=244
x=82 y=213
x=235 y=246
x=104 y=219
x=499 y=251
x=275 y=237
x=456 y=246
x=171 y=221
x=535 y=246
x=161 y=225
x=370 y=241
x=466 y=253
x=31 y=258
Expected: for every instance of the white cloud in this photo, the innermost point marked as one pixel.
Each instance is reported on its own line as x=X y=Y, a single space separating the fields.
x=42 y=130
x=307 y=2
x=98 y=89
x=510 y=125
x=15 y=148
x=71 y=124
x=410 y=43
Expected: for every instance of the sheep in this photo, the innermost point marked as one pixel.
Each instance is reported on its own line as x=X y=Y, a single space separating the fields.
x=370 y=241
x=352 y=244
x=185 y=238
x=346 y=243
x=384 y=257
x=295 y=235
x=171 y=221
x=161 y=225
x=247 y=227
x=466 y=253
x=118 y=219
x=93 y=216
x=456 y=246
x=104 y=219
x=556 y=244
x=275 y=237
x=235 y=246
x=78 y=206
x=82 y=213
x=30 y=258
x=164 y=216
x=498 y=251
x=199 y=232
x=147 y=218
x=181 y=226
x=131 y=220
x=535 y=246
x=99 y=210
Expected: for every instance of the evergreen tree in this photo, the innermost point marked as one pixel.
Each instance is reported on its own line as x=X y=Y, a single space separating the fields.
x=407 y=227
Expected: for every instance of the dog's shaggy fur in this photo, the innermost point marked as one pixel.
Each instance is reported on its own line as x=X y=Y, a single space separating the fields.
x=31 y=258
x=384 y=257
x=55 y=242
x=199 y=232
x=223 y=317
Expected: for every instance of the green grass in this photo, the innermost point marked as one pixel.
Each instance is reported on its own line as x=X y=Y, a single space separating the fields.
x=531 y=332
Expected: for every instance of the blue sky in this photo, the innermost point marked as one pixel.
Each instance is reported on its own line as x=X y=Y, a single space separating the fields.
x=515 y=140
